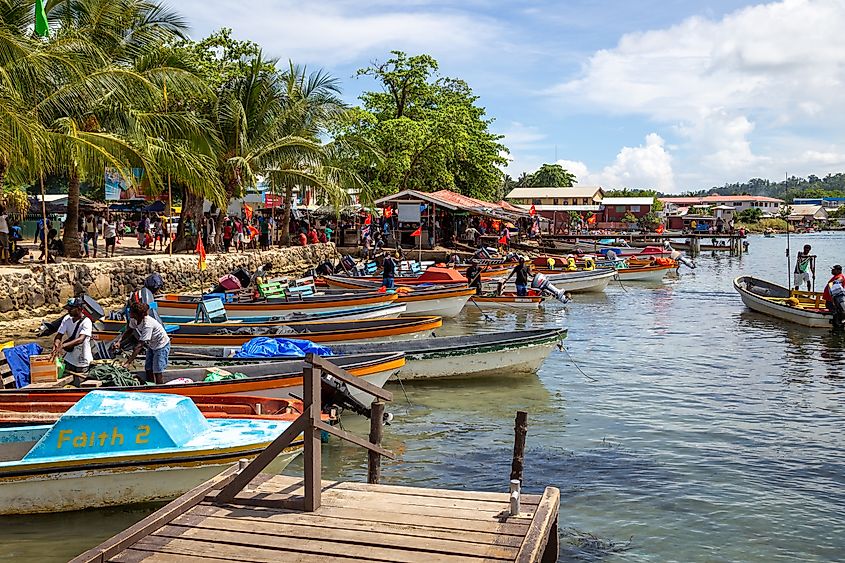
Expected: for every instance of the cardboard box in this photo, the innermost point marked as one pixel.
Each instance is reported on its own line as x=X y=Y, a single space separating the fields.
x=42 y=369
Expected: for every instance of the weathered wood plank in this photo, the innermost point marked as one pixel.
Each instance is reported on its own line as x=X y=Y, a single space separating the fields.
x=381 y=514
x=309 y=545
x=248 y=514
x=200 y=550
x=377 y=538
x=157 y=519
x=289 y=483
x=136 y=556
x=537 y=536
x=358 y=441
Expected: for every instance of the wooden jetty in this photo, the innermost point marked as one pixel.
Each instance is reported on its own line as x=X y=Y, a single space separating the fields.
x=245 y=515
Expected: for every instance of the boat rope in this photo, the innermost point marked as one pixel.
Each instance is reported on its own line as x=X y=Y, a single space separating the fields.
x=620 y=283
x=571 y=359
x=402 y=385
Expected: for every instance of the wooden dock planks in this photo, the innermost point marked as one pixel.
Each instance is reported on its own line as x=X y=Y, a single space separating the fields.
x=355 y=522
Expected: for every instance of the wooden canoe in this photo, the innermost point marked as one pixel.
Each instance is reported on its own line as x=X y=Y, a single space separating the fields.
x=280 y=379
x=178 y=304
x=443 y=301
x=228 y=334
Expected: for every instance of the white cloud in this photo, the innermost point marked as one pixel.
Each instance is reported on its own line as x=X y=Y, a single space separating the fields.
x=336 y=32
x=725 y=85
x=646 y=166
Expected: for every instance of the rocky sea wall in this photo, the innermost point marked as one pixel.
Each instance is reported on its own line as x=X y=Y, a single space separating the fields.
x=40 y=289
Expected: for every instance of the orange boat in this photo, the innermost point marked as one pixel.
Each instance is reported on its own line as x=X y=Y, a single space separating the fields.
x=19 y=409
x=235 y=334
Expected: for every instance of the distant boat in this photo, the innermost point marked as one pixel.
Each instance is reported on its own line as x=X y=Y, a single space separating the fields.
x=123 y=448
x=801 y=307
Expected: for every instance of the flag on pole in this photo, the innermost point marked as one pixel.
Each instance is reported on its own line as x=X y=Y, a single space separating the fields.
x=368 y=220
x=660 y=228
x=532 y=211
x=503 y=239
x=202 y=265
x=592 y=219
x=247 y=212
x=388 y=212
x=418 y=232
x=42 y=29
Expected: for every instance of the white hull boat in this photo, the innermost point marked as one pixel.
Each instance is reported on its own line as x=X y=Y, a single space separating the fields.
x=771 y=299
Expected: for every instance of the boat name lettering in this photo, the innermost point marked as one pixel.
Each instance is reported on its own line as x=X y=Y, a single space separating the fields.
x=89 y=439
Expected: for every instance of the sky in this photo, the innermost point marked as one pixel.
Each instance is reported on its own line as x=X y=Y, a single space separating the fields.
x=673 y=95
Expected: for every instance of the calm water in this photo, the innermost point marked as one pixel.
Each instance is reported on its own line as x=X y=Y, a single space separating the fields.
x=710 y=433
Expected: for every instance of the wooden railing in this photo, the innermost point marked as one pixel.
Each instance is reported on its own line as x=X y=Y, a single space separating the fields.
x=310 y=424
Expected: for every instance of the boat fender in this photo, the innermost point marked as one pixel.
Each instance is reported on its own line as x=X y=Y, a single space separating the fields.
x=589 y=263
x=792 y=302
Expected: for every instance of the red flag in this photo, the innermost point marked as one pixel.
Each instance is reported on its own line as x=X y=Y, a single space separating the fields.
x=388 y=212
x=418 y=232
x=200 y=249
x=532 y=211
x=368 y=220
x=248 y=212
x=504 y=239
x=592 y=219
x=660 y=228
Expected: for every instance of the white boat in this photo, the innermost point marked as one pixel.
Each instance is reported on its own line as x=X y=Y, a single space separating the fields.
x=508 y=301
x=574 y=282
x=446 y=302
x=644 y=273
x=114 y=448
x=514 y=352
x=806 y=309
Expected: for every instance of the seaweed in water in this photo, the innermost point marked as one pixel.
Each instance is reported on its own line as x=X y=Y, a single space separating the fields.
x=584 y=546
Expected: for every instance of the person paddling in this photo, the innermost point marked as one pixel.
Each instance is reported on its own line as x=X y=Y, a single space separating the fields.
x=474 y=276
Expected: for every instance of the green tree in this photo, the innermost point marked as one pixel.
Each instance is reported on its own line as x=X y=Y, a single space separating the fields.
x=750 y=215
x=551 y=175
x=429 y=129
x=649 y=221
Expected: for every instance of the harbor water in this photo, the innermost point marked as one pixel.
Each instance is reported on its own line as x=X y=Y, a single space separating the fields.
x=678 y=425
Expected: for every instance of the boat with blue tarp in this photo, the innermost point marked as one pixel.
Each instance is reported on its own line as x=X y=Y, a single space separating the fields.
x=114 y=448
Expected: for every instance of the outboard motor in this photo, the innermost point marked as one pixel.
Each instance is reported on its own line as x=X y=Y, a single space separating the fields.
x=678 y=256
x=541 y=283
x=336 y=393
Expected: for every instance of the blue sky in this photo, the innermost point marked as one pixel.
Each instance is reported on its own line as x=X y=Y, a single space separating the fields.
x=671 y=94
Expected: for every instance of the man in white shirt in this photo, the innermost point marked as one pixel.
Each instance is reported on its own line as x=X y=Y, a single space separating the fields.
x=73 y=340
x=152 y=336
x=4 y=236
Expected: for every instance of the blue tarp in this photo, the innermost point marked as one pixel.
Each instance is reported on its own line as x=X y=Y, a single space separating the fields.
x=18 y=358
x=263 y=347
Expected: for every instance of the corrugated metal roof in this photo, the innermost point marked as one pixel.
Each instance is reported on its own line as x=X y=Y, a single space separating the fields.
x=537 y=193
x=718 y=199
x=628 y=201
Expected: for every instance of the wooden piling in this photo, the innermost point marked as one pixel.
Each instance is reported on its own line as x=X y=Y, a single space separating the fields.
x=520 y=430
x=376 y=433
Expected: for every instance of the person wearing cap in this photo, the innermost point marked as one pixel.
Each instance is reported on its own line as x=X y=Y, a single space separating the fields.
x=73 y=340
x=152 y=336
x=833 y=298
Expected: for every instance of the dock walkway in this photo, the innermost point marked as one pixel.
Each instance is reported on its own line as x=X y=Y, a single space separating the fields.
x=356 y=522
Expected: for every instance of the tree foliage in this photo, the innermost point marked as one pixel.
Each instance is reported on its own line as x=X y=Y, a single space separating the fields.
x=750 y=215
x=550 y=176
x=429 y=129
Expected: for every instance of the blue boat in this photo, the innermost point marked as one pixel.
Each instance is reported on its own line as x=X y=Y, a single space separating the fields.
x=114 y=448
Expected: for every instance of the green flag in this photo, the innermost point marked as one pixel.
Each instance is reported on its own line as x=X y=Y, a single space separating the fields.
x=41 y=27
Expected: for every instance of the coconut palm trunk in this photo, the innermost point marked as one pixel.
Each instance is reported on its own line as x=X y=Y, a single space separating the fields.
x=286 y=216
x=70 y=238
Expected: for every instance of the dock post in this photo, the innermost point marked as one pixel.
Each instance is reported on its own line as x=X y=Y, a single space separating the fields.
x=311 y=387
x=515 y=494
x=376 y=433
x=520 y=429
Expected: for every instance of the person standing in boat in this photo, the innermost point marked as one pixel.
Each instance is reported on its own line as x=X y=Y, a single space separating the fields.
x=152 y=336
x=805 y=264
x=522 y=275
x=834 y=297
x=73 y=340
x=388 y=266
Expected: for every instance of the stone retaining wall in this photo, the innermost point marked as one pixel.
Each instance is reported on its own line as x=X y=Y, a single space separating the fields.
x=41 y=290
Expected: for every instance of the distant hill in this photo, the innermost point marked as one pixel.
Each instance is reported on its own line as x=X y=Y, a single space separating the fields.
x=832 y=185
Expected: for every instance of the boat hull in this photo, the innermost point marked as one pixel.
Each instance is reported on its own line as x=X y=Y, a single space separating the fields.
x=449 y=306
x=508 y=303
x=64 y=491
x=576 y=282
x=170 y=306
x=494 y=360
x=648 y=273
x=761 y=304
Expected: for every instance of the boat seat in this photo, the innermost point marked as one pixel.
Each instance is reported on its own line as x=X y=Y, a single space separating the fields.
x=271 y=290
x=8 y=378
x=301 y=291
x=211 y=310
x=370 y=268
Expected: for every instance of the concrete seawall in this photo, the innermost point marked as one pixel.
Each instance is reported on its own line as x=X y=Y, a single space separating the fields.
x=40 y=290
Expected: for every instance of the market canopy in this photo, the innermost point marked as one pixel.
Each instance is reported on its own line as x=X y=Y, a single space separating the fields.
x=454 y=201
